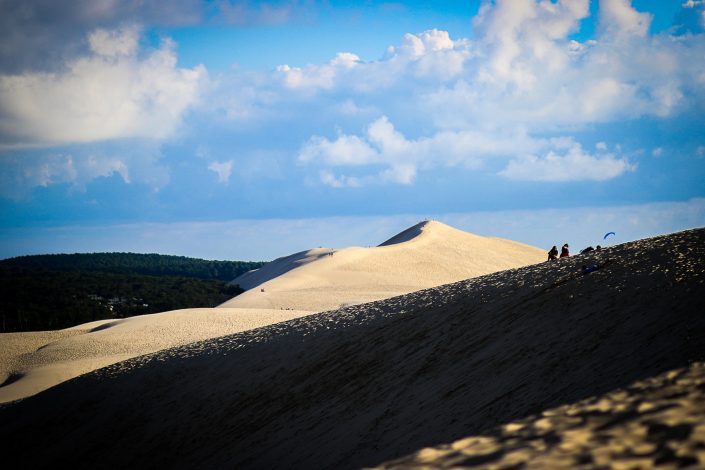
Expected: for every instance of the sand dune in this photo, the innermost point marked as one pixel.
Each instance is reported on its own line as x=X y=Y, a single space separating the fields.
x=32 y=362
x=375 y=382
x=426 y=255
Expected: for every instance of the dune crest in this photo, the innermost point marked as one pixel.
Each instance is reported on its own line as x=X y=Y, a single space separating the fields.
x=426 y=255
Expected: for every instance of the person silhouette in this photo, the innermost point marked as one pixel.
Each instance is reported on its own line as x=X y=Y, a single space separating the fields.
x=553 y=254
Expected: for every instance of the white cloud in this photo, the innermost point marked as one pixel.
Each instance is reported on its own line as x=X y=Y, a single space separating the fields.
x=447 y=102
x=417 y=45
x=345 y=150
x=574 y=165
x=520 y=70
x=401 y=158
x=317 y=76
x=430 y=54
x=133 y=161
x=121 y=42
x=517 y=36
x=619 y=19
x=521 y=73
x=223 y=170
x=112 y=93
x=657 y=152
x=343 y=181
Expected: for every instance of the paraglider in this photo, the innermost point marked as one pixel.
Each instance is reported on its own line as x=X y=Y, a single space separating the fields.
x=607 y=235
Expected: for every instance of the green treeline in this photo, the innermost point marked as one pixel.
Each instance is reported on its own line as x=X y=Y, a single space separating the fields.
x=58 y=291
x=134 y=263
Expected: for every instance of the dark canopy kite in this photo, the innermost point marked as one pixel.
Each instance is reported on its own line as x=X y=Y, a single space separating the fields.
x=607 y=235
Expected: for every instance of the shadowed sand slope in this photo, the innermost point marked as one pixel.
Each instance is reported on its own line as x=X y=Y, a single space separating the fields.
x=426 y=255
x=371 y=383
x=659 y=422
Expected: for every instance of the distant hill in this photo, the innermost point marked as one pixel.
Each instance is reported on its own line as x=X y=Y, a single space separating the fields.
x=134 y=263
x=46 y=292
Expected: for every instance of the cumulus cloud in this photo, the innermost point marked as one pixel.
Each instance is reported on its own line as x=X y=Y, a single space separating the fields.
x=574 y=165
x=522 y=77
x=223 y=170
x=564 y=159
x=519 y=36
x=317 y=76
x=401 y=158
x=431 y=54
x=521 y=92
x=618 y=18
x=112 y=93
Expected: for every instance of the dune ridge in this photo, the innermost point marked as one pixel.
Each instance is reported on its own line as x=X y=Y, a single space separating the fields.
x=426 y=255
x=296 y=285
x=374 y=382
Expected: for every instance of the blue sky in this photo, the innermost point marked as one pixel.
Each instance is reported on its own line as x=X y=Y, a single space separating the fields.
x=246 y=130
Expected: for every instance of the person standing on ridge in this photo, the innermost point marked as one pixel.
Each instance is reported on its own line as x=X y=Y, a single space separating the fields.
x=553 y=254
x=564 y=251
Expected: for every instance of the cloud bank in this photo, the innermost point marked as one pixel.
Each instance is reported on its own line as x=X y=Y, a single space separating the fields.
x=112 y=93
x=498 y=96
x=525 y=99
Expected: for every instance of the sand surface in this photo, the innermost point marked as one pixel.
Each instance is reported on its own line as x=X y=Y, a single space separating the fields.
x=426 y=255
x=372 y=383
x=32 y=362
x=654 y=423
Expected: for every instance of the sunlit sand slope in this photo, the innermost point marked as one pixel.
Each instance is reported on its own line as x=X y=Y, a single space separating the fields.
x=426 y=255
x=34 y=361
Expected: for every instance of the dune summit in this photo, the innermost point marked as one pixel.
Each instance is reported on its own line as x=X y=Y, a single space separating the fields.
x=372 y=383
x=426 y=255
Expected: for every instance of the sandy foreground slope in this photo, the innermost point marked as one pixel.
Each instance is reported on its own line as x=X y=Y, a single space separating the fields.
x=372 y=383
x=32 y=362
x=427 y=254
x=653 y=423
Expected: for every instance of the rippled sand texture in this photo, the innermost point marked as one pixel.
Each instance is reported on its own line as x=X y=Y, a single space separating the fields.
x=654 y=423
x=375 y=382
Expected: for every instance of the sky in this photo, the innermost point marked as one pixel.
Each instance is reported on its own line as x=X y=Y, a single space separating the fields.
x=229 y=129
